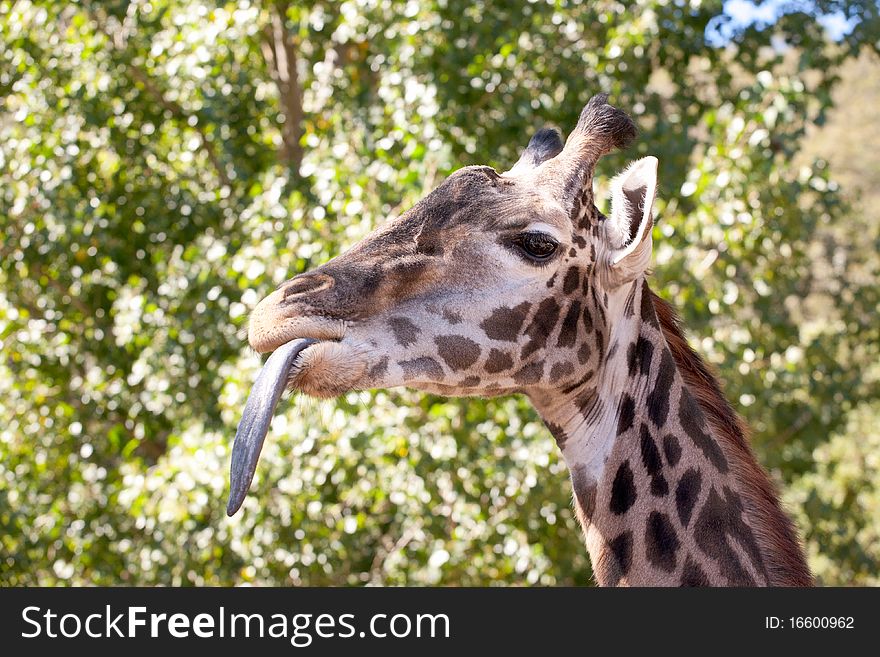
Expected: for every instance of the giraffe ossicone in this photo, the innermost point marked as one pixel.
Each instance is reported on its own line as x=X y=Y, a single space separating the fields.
x=514 y=282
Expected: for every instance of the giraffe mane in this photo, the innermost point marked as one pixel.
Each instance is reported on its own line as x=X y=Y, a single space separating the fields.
x=776 y=534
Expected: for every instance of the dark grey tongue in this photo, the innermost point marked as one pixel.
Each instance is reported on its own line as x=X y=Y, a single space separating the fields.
x=256 y=418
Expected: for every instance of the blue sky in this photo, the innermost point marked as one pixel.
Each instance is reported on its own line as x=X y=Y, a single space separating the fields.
x=743 y=13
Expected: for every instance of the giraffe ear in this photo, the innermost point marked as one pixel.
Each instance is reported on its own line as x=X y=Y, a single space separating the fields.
x=544 y=145
x=629 y=229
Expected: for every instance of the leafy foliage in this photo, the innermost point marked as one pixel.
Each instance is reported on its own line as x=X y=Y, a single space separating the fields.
x=164 y=164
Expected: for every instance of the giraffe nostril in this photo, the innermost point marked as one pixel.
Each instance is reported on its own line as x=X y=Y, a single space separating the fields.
x=307 y=284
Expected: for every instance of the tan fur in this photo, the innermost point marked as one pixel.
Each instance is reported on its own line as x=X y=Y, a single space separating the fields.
x=326 y=370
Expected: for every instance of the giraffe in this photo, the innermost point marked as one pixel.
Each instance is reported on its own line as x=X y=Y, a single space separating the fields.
x=495 y=284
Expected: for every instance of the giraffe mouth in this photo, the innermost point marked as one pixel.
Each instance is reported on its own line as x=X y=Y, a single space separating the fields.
x=257 y=416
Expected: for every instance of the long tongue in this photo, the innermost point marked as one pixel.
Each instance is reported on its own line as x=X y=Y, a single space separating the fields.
x=256 y=418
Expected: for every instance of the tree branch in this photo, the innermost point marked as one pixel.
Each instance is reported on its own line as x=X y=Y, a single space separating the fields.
x=279 y=51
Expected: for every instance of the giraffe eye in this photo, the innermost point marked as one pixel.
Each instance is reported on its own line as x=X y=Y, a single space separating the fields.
x=537 y=246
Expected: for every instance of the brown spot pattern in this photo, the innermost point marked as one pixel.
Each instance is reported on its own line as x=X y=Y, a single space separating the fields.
x=541 y=326
x=558 y=433
x=568 y=332
x=692 y=574
x=623 y=490
x=421 y=368
x=561 y=371
x=584 y=488
x=583 y=353
x=652 y=462
x=457 y=351
x=530 y=374
x=621 y=548
x=505 y=323
x=692 y=421
x=719 y=522
x=658 y=398
x=498 y=361
x=451 y=316
x=378 y=369
x=571 y=280
x=671 y=449
x=661 y=542
x=405 y=332
x=687 y=490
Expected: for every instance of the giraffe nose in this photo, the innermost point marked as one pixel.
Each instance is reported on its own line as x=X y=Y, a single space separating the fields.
x=306 y=284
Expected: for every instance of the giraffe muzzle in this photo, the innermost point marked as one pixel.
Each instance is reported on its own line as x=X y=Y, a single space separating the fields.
x=257 y=416
x=277 y=320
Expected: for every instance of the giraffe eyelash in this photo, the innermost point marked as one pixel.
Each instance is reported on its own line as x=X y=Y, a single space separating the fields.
x=532 y=244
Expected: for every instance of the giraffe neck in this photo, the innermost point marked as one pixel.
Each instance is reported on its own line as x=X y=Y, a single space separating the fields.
x=655 y=489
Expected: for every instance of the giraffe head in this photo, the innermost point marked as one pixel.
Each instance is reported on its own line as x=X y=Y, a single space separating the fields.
x=491 y=284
